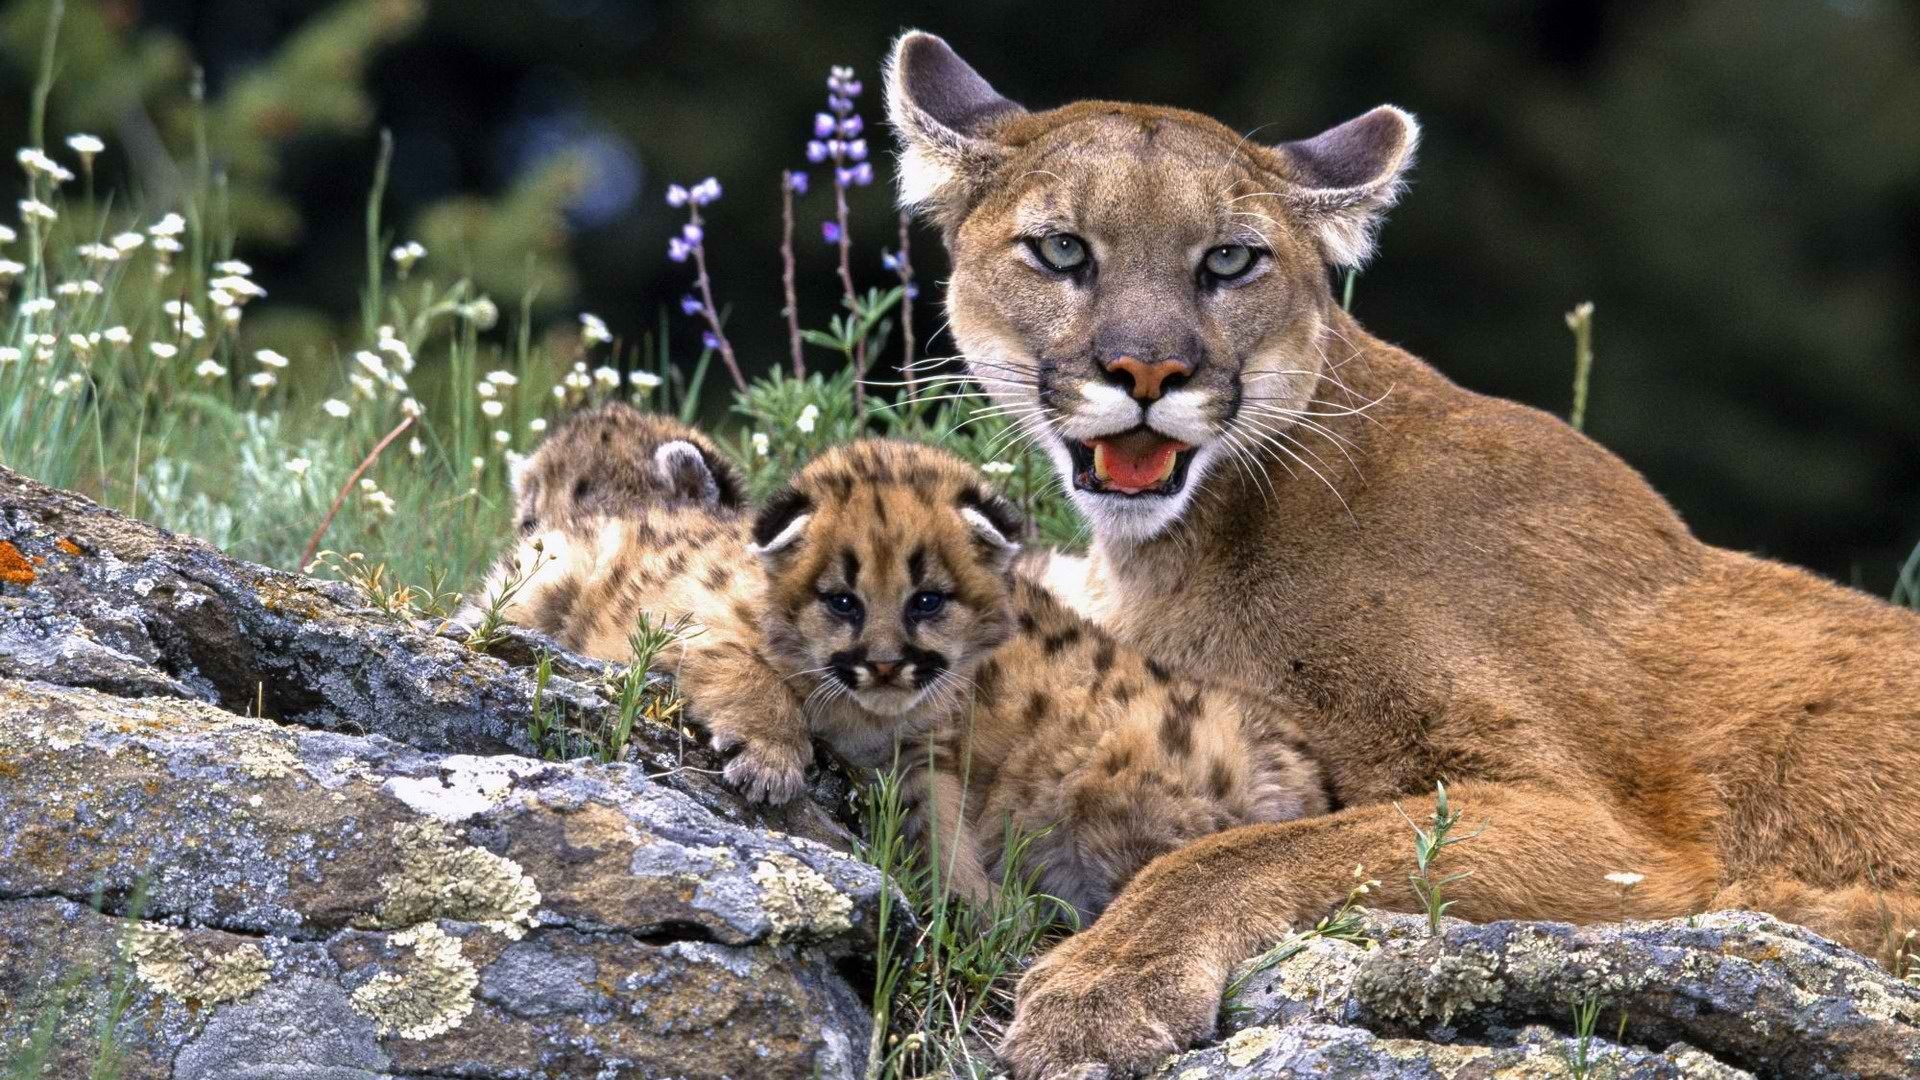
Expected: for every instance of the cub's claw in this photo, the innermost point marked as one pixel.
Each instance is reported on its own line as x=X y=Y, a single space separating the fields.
x=767 y=773
x=1084 y=1011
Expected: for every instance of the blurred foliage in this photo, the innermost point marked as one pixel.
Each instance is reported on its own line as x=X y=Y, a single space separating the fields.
x=1735 y=186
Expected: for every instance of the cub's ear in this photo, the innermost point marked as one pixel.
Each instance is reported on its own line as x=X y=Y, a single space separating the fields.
x=995 y=523
x=690 y=474
x=1346 y=177
x=780 y=526
x=943 y=112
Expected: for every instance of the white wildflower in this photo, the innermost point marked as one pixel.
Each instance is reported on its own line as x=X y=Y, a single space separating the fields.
x=502 y=438
x=37 y=161
x=416 y=447
x=220 y=299
x=170 y=225
x=537 y=425
x=1626 y=879
x=559 y=393
x=405 y=255
x=486 y=389
x=493 y=409
x=34 y=208
x=367 y=484
x=337 y=409
x=413 y=408
x=269 y=358
x=86 y=145
x=127 y=241
x=67 y=288
x=761 y=444
x=645 y=380
x=808 y=417
x=234 y=267
x=479 y=464
x=8 y=236
x=209 y=369
x=481 y=313
x=163 y=350
x=381 y=501
x=299 y=466
x=100 y=253
x=167 y=245
x=607 y=377
x=9 y=268
x=238 y=287
x=38 y=306
x=503 y=378
x=117 y=335
x=262 y=380
x=997 y=468
x=372 y=362
x=364 y=385
x=594 y=329
x=9 y=354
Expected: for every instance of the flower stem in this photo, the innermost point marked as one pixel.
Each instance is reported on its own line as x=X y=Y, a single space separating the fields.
x=787 y=275
x=906 y=301
x=313 y=542
x=707 y=309
x=852 y=297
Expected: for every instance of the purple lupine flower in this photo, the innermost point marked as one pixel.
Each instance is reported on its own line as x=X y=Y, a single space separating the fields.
x=851 y=127
x=816 y=151
x=862 y=174
x=830 y=230
x=796 y=182
x=823 y=125
x=677 y=249
x=851 y=88
x=709 y=340
x=857 y=149
x=706 y=191
x=913 y=291
x=692 y=234
x=889 y=260
x=839 y=104
x=690 y=305
x=676 y=195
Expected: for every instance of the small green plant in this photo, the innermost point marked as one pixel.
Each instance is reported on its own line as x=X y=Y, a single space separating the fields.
x=68 y=999
x=378 y=588
x=1581 y=1061
x=1346 y=924
x=1580 y=321
x=491 y=628
x=1428 y=843
x=942 y=996
x=546 y=726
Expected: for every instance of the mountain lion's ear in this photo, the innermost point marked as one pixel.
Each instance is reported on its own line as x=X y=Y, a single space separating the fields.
x=943 y=111
x=995 y=523
x=689 y=474
x=782 y=523
x=1346 y=177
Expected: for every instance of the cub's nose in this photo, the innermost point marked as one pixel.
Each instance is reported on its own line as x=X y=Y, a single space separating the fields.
x=883 y=669
x=1147 y=381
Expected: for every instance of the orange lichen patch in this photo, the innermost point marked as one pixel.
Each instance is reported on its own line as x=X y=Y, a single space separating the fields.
x=68 y=547
x=14 y=567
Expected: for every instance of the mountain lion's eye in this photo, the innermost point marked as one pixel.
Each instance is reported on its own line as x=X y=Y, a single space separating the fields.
x=844 y=604
x=1063 y=252
x=1228 y=261
x=925 y=605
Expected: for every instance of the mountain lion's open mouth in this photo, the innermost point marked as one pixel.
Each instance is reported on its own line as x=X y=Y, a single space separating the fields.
x=1138 y=462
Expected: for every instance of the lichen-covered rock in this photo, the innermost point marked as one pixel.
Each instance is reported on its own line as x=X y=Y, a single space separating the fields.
x=1726 y=994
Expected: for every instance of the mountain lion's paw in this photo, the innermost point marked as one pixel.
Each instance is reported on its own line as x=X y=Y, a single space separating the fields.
x=1083 y=1012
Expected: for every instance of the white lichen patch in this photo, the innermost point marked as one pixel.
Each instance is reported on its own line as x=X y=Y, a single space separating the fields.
x=1451 y=984
x=163 y=960
x=428 y=994
x=260 y=752
x=441 y=878
x=1246 y=1045
x=798 y=900
x=464 y=787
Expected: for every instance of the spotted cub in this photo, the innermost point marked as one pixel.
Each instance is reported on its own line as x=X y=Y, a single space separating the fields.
x=892 y=604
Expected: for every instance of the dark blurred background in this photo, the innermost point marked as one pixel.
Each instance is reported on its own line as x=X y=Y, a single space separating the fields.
x=1736 y=185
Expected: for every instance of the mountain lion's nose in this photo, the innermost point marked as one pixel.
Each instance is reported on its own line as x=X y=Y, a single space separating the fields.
x=883 y=669
x=1148 y=381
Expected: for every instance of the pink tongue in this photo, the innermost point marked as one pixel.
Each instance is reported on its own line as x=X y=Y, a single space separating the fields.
x=1143 y=469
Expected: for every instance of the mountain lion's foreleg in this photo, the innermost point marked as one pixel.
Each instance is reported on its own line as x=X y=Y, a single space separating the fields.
x=744 y=703
x=1146 y=978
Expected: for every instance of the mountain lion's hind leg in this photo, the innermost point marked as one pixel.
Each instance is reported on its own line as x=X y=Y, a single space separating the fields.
x=1863 y=918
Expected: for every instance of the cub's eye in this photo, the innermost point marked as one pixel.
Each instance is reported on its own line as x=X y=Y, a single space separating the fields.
x=925 y=605
x=1228 y=261
x=844 y=604
x=1063 y=252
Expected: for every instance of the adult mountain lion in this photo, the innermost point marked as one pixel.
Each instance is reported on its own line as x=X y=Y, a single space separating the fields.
x=1448 y=586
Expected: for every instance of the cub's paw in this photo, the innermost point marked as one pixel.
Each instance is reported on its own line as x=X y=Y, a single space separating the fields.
x=765 y=771
x=1085 y=1011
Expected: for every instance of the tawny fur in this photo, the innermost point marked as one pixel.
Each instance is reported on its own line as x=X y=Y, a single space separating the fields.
x=1041 y=722
x=1451 y=587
